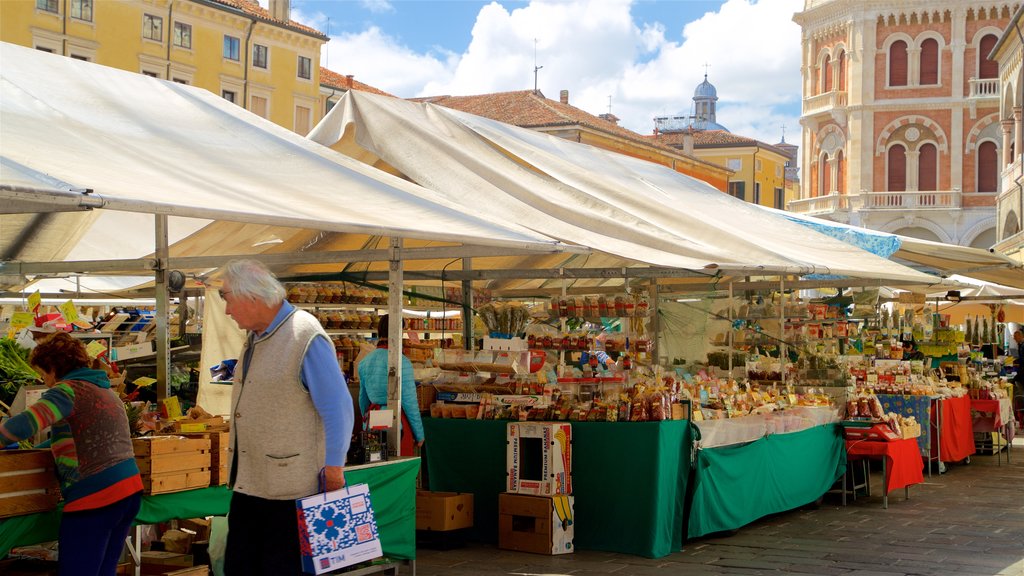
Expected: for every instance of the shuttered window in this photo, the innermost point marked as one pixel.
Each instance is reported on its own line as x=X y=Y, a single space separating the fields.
x=929 y=62
x=927 y=168
x=987 y=68
x=826 y=74
x=896 y=175
x=898 y=63
x=988 y=167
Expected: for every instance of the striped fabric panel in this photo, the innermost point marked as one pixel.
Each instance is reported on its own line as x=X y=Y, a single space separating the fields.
x=55 y=405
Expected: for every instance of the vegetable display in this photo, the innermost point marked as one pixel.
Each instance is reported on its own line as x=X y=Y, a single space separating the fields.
x=14 y=369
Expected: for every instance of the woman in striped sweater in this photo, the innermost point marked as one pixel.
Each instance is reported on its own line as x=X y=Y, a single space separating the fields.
x=92 y=447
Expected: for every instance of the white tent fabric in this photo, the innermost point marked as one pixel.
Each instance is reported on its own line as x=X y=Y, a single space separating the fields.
x=579 y=194
x=946 y=260
x=145 y=145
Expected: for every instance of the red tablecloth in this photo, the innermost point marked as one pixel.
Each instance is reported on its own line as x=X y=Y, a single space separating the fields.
x=992 y=416
x=957 y=429
x=903 y=462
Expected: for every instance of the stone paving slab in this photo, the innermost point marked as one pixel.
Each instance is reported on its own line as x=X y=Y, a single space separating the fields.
x=966 y=522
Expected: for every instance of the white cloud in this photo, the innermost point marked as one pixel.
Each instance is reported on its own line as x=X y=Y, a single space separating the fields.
x=377 y=6
x=596 y=50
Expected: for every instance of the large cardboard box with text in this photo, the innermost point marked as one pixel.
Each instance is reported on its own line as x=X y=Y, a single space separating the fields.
x=539 y=458
x=538 y=524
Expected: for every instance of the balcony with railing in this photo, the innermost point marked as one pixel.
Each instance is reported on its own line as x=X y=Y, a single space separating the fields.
x=880 y=201
x=984 y=88
x=824 y=102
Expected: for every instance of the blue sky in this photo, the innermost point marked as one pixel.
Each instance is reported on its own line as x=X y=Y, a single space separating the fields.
x=643 y=58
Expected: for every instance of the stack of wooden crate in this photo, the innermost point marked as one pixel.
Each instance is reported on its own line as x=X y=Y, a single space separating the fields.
x=28 y=482
x=218 y=455
x=173 y=463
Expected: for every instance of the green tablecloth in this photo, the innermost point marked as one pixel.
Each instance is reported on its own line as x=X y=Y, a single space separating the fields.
x=629 y=479
x=735 y=485
x=392 y=491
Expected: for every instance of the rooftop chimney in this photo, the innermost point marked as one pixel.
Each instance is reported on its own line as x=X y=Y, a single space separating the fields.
x=348 y=81
x=688 y=142
x=281 y=10
x=563 y=96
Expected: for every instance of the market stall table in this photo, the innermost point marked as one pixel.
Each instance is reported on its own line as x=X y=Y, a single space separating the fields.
x=994 y=416
x=629 y=479
x=392 y=492
x=901 y=463
x=921 y=408
x=735 y=485
x=953 y=418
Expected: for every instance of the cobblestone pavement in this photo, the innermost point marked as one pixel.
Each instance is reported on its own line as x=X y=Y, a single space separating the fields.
x=968 y=521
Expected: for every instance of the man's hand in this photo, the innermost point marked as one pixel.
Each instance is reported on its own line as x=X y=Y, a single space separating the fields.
x=334 y=478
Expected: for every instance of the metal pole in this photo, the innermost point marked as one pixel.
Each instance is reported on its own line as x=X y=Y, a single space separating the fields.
x=160 y=277
x=467 y=306
x=395 y=332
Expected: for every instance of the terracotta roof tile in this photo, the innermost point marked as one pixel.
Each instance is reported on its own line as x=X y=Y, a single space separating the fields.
x=253 y=8
x=529 y=109
x=332 y=79
x=711 y=139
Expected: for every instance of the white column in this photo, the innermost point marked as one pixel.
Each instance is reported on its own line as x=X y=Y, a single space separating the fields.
x=1007 y=126
x=912 y=168
x=913 y=66
x=1018 y=135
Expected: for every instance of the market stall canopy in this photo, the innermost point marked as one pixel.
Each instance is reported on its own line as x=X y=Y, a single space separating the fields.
x=78 y=137
x=626 y=207
x=945 y=260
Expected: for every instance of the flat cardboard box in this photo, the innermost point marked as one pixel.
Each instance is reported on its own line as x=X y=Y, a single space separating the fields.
x=168 y=560
x=443 y=511
x=538 y=524
x=539 y=458
x=28 y=482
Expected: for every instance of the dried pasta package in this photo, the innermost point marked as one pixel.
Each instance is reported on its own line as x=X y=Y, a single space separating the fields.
x=851 y=408
x=658 y=406
x=639 y=413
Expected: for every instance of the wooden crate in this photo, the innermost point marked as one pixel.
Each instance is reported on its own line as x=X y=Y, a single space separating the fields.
x=172 y=463
x=219 y=457
x=28 y=482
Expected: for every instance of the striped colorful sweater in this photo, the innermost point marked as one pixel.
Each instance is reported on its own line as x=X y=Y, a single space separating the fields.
x=89 y=438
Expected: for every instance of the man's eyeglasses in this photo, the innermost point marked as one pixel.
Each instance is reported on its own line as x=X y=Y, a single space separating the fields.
x=223 y=293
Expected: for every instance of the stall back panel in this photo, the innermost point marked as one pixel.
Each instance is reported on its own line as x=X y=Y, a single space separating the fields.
x=630 y=485
x=629 y=479
x=735 y=485
x=469 y=456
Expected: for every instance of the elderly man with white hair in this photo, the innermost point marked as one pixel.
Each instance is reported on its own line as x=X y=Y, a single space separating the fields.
x=291 y=418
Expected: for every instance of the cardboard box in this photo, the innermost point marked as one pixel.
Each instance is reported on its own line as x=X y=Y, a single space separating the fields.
x=159 y=562
x=538 y=524
x=28 y=482
x=443 y=511
x=132 y=351
x=539 y=458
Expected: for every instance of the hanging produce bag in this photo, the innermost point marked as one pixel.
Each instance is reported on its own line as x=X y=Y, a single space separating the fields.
x=337 y=529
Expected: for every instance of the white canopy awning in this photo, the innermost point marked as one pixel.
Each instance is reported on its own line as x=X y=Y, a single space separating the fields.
x=627 y=207
x=78 y=137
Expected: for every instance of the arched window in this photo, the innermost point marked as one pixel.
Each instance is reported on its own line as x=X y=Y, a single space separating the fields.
x=929 y=62
x=988 y=167
x=826 y=74
x=841 y=64
x=927 y=168
x=840 y=172
x=824 y=176
x=898 y=63
x=896 y=169
x=987 y=68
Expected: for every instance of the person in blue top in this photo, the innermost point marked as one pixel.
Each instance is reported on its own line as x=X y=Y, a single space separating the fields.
x=291 y=421
x=373 y=390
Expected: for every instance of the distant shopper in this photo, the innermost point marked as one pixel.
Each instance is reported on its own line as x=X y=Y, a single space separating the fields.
x=91 y=443
x=1018 y=379
x=373 y=390
x=910 y=351
x=292 y=418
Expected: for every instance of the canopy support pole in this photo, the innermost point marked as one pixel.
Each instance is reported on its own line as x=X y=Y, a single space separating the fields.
x=395 y=334
x=467 y=306
x=160 y=278
x=654 y=327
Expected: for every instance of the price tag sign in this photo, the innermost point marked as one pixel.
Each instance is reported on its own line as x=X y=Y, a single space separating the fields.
x=96 y=348
x=143 y=381
x=22 y=320
x=68 y=311
x=34 y=300
x=173 y=407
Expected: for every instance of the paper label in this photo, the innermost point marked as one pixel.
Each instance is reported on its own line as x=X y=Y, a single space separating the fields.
x=173 y=407
x=68 y=311
x=34 y=300
x=143 y=381
x=21 y=320
x=96 y=348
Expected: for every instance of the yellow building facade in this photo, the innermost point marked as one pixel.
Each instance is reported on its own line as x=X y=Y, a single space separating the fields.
x=251 y=56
